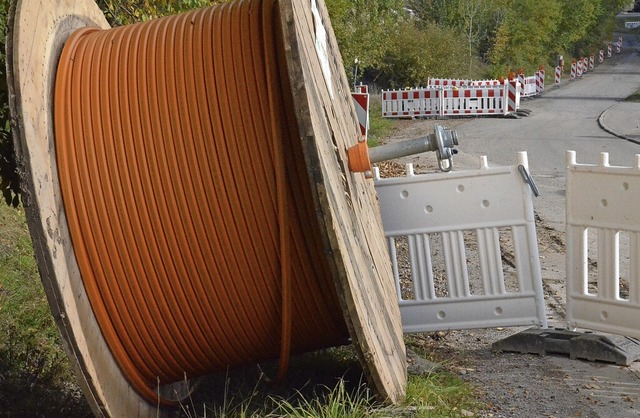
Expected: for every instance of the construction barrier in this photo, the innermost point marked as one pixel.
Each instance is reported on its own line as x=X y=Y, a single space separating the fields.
x=449 y=217
x=585 y=65
x=445 y=82
x=361 y=102
x=592 y=62
x=558 y=78
x=574 y=69
x=539 y=76
x=497 y=100
x=603 y=285
x=609 y=50
x=601 y=56
x=579 y=68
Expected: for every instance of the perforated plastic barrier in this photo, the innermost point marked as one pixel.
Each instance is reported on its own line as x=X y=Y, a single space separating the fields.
x=463 y=247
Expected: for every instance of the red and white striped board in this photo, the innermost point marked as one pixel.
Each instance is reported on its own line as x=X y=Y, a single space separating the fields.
x=619 y=44
x=361 y=103
x=585 y=65
x=592 y=62
x=579 y=69
x=540 y=74
x=601 y=56
x=609 y=50
x=558 y=79
x=574 y=69
x=513 y=96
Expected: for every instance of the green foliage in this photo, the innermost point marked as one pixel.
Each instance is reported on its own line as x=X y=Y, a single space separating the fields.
x=441 y=395
x=123 y=12
x=363 y=29
x=525 y=35
x=36 y=377
x=415 y=54
x=9 y=180
x=379 y=127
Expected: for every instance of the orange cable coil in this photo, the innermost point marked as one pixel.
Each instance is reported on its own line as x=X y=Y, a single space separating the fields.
x=187 y=195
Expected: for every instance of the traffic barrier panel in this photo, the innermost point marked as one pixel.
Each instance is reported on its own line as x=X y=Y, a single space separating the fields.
x=601 y=56
x=585 y=65
x=448 y=217
x=472 y=101
x=411 y=103
x=451 y=83
x=609 y=50
x=361 y=103
x=558 y=79
x=574 y=69
x=592 y=62
x=579 y=68
x=603 y=284
x=539 y=76
x=528 y=85
x=486 y=100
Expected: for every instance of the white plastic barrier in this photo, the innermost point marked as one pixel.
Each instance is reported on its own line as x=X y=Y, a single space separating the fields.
x=529 y=87
x=452 y=216
x=497 y=100
x=603 y=214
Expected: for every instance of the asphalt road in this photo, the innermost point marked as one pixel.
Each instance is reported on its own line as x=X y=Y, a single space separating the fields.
x=564 y=118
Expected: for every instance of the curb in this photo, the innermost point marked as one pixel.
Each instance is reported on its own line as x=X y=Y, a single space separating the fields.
x=604 y=126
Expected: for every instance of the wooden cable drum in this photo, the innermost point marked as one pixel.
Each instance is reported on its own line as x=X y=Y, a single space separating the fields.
x=187 y=193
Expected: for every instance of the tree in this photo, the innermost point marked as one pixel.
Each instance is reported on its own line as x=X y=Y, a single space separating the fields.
x=525 y=35
x=363 y=29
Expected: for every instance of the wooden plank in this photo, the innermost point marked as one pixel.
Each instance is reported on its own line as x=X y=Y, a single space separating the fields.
x=346 y=202
x=38 y=30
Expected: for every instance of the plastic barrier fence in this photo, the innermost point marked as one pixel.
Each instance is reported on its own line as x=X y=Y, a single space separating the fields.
x=498 y=100
x=603 y=246
x=445 y=82
x=440 y=225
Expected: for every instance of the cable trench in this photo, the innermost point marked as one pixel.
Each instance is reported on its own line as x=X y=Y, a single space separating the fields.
x=187 y=196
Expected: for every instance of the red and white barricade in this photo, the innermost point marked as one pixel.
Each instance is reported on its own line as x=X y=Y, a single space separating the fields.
x=592 y=62
x=361 y=103
x=609 y=50
x=539 y=76
x=558 y=79
x=446 y=82
x=513 y=96
x=411 y=103
x=601 y=56
x=574 y=69
x=484 y=100
x=579 y=68
x=619 y=44
x=451 y=83
x=585 y=65
x=473 y=101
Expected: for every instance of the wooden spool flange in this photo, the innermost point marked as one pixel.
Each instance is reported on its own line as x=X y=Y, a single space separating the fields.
x=345 y=202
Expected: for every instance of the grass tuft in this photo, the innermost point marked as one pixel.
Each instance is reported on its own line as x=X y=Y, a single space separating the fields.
x=635 y=97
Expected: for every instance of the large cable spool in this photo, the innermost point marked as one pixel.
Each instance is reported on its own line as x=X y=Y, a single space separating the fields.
x=189 y=198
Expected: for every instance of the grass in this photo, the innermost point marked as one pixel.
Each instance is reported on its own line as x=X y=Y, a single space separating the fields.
x=36 y=378
x=635 y=97
x=379 y=127
x=35 y=375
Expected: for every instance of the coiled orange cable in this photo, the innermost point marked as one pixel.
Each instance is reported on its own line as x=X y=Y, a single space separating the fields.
x=187 y=197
